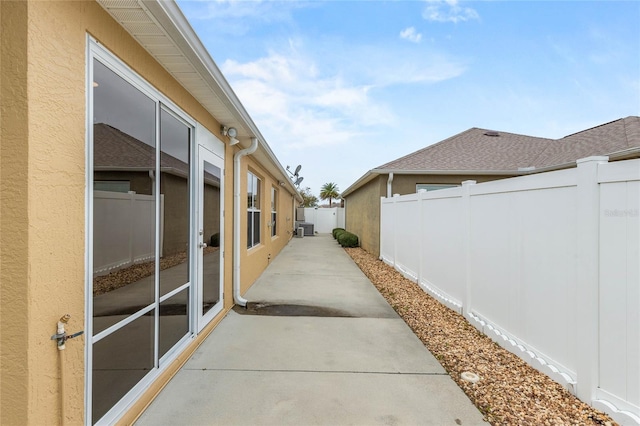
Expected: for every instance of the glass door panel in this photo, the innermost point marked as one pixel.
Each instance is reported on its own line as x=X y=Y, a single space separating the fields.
x=210 y=264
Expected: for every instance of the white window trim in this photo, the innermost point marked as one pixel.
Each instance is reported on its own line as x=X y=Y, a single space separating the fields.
x=94 y=50
x=255 y=209
x=274 y=211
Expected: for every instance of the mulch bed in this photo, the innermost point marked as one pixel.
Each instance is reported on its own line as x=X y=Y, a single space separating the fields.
x=509 y=392
x=125 y=276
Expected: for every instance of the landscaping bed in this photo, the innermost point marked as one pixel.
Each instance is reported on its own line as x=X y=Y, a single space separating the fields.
x=131 y=274
x=509 y=392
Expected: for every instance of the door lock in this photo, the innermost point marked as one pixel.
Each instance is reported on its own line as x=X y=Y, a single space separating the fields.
x=202 y=245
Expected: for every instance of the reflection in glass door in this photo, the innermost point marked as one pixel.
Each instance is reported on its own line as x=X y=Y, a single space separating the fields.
x=210 y=236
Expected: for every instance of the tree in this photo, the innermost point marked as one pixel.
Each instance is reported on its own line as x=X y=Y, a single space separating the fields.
x=329 y=191
x=308 y=199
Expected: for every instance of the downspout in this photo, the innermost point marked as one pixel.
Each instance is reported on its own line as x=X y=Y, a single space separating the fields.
x=238 y=299
x=389 y=186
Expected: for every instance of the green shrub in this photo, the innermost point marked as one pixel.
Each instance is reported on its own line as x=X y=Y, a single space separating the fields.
x=347 y=239
x=339 y=232
x=215 y=240
x=333 y=232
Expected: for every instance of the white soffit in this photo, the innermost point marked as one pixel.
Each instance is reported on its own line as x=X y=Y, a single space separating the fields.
x=166 y=43
x=161 y=28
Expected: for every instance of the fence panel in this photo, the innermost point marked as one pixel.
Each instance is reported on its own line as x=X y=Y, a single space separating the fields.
x=387 y=231
x=324 y=220
x=619 y=319
x=407 y=236
x=443 y=255
x=121 y=225
x=519 y=258
x=523 y=267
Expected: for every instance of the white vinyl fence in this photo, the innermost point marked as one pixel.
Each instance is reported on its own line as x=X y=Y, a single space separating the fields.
x=547 y=265
x=324 y=220
x=123 y=229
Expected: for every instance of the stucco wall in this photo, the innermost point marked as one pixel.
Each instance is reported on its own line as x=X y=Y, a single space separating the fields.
x=362 y=214
x=43 y=206
x=257 y=258
x=43 y=180
x=14 y=229
x=406 y=184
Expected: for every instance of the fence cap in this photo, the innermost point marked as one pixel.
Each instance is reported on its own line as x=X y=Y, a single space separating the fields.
x=595 y=158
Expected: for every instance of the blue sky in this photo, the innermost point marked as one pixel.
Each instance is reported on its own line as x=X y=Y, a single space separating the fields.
x=342 y=87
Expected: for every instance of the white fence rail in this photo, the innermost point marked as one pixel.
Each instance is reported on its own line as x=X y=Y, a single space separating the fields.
x=124 y=229
x=324 y=220
x=547 y=265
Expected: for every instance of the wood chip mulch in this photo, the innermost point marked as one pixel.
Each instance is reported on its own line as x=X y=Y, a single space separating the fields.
x=131 y=274
x=509 y=391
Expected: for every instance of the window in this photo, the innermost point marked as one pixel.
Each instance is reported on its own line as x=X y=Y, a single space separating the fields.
x=274 y=212
x=140 y=211
x=253 y=210
x=430 y=187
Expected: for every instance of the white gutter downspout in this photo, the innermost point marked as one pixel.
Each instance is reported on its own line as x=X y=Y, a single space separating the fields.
x=389 y=187
x=238 y=299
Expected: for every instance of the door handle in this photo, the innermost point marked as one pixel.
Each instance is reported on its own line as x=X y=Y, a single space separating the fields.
x=202 y=245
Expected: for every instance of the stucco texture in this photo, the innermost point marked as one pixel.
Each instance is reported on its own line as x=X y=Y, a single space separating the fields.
x=43 y=196
x=362 y=214
x=257 y=258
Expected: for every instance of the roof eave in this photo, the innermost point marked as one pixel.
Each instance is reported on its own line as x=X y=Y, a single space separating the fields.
x=371 y=174
x=181 y=24
x=366 y=178
x=218 y=98
x=447 y=172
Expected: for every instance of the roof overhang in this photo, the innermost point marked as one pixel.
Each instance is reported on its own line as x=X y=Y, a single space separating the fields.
x=161 y=28
x=372 y=174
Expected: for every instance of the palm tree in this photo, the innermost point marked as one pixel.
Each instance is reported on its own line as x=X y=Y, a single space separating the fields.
x=329 y=191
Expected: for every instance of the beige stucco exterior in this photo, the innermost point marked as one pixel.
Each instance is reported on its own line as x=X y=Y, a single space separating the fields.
x=362 y=205
x=257 y=258
x=43 y=183
x=362 y=213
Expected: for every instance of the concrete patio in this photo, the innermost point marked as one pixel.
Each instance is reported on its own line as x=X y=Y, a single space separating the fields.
x=318 y=346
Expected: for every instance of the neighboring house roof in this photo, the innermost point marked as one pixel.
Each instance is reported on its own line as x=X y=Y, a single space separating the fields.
x=115 y=150
x=474 y=149
x=486 y=152
x=610 y=139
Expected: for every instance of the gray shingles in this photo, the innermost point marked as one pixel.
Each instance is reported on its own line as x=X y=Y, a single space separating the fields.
x=473 y=150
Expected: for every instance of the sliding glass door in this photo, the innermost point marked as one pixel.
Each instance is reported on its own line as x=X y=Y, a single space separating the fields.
x=155 y=234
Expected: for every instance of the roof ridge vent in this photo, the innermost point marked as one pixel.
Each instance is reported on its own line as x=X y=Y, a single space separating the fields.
x=491 y=133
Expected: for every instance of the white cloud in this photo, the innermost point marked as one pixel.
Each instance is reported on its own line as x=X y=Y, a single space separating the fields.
x=238 y=17
x=300 y=107
x=299 y=101
x=448 y=11
x=411 y=35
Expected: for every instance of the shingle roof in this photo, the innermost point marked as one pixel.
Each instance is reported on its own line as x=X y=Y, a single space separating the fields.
x=116 y=150
x=474 y=149
x=481 y=150
x=605 y=139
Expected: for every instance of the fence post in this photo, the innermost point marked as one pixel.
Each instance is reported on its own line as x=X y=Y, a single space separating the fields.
x=132 y=206
x=421 y=238
x=395 y=234
x=587 y=277
x=466 y=235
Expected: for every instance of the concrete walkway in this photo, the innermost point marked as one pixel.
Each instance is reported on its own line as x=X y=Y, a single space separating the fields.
x=348 y=360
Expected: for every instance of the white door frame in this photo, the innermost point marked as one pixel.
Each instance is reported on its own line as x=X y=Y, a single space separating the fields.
x=211 y=150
